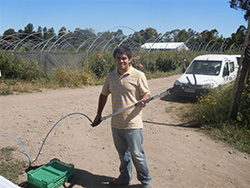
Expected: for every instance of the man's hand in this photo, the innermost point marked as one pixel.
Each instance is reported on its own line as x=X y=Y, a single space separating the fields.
x=141 y=102
x=97 y=120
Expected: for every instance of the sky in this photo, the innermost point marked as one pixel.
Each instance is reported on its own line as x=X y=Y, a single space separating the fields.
x=128 y=15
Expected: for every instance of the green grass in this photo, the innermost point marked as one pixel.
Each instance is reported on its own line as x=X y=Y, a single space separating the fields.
x=210 y=112
x=229 y=133
x=10 y=167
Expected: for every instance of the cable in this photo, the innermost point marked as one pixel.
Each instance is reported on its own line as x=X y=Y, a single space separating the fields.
x=168 y=91
x=30 y=162
x=4 y=135
x=54 y=127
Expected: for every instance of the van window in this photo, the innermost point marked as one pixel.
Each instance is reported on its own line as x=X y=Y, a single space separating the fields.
x=231 y=66
x=238 y=60
x=204 y=67
x=226 y=70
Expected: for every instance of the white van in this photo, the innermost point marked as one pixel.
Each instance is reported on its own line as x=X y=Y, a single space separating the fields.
x=206 y=72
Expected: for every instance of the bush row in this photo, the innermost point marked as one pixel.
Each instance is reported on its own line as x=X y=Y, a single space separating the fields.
x=13 y=67
x=211 y=112
x=212 y=109
x=95 y=68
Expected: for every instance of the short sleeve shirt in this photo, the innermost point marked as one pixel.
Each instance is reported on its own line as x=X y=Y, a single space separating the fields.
x=125 y=91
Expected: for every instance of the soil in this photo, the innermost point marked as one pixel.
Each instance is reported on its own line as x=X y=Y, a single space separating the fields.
x=178 y=155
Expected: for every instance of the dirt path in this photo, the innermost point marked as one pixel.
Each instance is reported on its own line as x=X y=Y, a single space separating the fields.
x=178 y=156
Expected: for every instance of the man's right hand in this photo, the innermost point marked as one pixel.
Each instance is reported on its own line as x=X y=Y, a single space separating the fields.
x=97 y=120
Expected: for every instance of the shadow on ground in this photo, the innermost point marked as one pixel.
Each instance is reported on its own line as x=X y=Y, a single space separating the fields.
x=184 y=125
x=83 y=178
x=174 y=98
x=86 y=179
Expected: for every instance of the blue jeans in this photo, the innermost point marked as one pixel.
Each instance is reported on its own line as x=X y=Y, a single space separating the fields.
x=128 y=143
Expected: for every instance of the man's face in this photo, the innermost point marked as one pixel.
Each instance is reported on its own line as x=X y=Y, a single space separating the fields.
x=122 y=62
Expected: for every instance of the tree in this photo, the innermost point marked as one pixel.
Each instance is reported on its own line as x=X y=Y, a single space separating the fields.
x=208 y=36
x=137 y=38
x=83 y=37
x=244 y=5
x=62 y=31
x=150 y=34
x=167 y=37
x=174 y=35
x=9 y=35
x=39 y=30
x=183 y=35
x=118 y=33
x=29 y=28
x=45 y=33
x=244 y=68
x=8 y=32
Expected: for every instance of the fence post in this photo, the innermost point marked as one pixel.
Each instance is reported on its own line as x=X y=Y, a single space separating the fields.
x=241 y=77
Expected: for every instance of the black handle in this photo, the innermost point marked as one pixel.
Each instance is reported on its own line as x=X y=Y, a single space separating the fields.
x=94 y=124
x=148 y=100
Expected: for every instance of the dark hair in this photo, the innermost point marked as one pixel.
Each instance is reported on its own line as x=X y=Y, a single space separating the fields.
x=122 y=50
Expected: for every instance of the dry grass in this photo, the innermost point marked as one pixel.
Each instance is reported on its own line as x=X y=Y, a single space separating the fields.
x=10 y=167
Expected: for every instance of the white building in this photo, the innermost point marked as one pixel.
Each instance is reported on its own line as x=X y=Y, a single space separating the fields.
x=178 y=46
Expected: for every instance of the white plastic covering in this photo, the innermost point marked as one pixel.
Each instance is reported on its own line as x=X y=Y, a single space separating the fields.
x=165 y=46
x=4 y=183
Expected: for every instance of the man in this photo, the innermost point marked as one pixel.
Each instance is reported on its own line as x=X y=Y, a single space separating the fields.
x=127 y=86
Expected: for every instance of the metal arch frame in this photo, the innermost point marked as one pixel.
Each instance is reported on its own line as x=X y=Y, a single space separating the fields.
x=83 y=44
x=221 y=47
x=127 y=38
x=109 y=46
x=12 y=43
x=189 y=39
x=95 y=47
x=48 y=42
x=231 y=46
x=26 y=45
x=24 y=39
x=66 y=46
x=3 y=39
x=205 y=48
x=195 y=46
x=67 y=43
x=5 y=43
x=39 y=44
x=212 y=46
x=58 y=40
x=87 y=52
x=32 y=40
x=109 y=42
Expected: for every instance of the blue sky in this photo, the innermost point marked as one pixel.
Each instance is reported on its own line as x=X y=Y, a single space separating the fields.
x=104 y=15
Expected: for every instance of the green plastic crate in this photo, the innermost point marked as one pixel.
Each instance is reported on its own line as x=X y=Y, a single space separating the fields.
x=52 y=175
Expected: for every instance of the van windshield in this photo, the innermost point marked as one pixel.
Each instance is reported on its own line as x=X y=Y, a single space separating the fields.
x=204 y=67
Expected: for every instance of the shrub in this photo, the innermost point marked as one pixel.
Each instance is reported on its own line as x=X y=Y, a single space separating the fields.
x=244 y=108
x=5 y=92
x=72 y=78
x=102 y=64
x=213 y=108
x=211 y=112
x=14 y=67
x=165 y=65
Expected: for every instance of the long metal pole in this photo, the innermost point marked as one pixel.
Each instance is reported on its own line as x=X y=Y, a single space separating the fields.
x=167 y=92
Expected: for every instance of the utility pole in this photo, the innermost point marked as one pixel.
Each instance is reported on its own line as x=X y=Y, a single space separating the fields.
x=241 y=76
